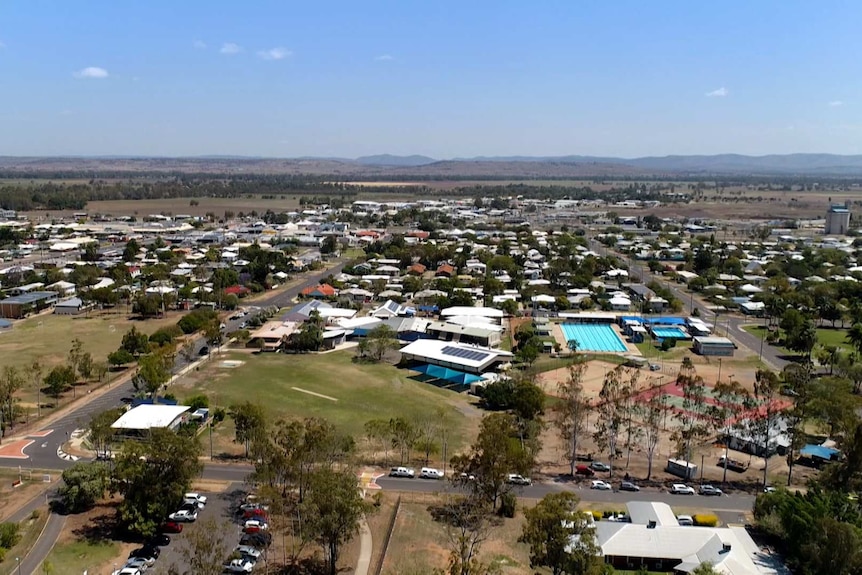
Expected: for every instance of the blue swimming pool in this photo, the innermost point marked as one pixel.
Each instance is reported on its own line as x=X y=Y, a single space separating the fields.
x=669 y=333
x=593 y=337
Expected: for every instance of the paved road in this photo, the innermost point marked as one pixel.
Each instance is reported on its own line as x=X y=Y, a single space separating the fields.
x=43 y=453
x=43 y=546
x=723 y=324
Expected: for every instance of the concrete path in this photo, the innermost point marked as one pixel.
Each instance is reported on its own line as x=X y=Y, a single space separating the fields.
x=365 y=548
x=31 y=563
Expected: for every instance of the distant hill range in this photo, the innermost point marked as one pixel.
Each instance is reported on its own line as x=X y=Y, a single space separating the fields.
x=388 y=166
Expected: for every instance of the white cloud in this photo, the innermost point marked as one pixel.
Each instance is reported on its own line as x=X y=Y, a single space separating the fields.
x=275 y=54
x=200 y=45
x=230 y=48
x=91 y=72
x=836 y=103
x=384 y=58
x=719 y=93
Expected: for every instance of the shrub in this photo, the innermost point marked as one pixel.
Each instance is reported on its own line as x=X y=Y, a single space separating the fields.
x=597 y=515
x=508 y=503
x=166 y=335
x=219 y=415
x=9 y=535
x=705 y=520
x=197 y=402
x=196 y=319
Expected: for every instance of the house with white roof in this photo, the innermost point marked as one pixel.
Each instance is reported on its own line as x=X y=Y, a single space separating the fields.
x=654 y=539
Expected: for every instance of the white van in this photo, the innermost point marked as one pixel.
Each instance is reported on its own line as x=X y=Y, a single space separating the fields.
x=430 y=473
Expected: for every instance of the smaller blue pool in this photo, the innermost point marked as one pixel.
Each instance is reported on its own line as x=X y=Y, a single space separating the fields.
x=593 y=337
x=669 y=333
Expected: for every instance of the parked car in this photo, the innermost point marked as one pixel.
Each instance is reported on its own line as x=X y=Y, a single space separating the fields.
x=255 y=526
x=196 y=498
x=629 y=486
x=769 y=489
x=687 y=520
x=240 y=566
x=171 y=527
x=248 y=551
x=601 y=485
x=159 y=540
x=599 y=466
x=710 y=490
x=260 y=540
x=515 y=479
x=204 y=351
x=468 y=477
x=184 y=515
x=127 y=571
x=654 y=367
x=140 y=563
x=253 y=506
x=681 y=489
x=252 y=513
x=402 y=472
x=430 y=473
x=146 y=552
x=584 y=470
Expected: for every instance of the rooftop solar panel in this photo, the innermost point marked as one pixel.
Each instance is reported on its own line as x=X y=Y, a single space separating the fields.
x=467 y=354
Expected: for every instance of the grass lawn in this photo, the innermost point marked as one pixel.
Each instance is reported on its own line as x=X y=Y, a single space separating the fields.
x=361 y=391
x=651 y=351
x=419 y=544
x=75 y=557
x=48 y=338
x=825 y=336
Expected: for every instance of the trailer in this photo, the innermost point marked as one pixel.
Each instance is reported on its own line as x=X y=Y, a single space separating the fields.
x=732 y=464
x=681 y=468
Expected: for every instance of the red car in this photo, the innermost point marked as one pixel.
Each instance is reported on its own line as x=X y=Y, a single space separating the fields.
x=253 y=513
x=172 y=527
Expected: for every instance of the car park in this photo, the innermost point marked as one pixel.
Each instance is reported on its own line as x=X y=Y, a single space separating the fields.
x=629 y=486
x=681 y=489
x=430 y=473
x=184 y=515
x=515 y=479
x=710 y=490
x=402 y=472
x=599 y=466
x=239 y=566
x=171 y=527
x=601 y=485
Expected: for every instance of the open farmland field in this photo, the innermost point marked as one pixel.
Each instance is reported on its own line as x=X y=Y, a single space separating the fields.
x=330 y=386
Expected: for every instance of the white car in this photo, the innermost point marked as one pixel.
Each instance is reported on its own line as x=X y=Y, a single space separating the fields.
x=240 y=566
x=430 y=473
x=601 y=485
x=402 y=472
x=685 y=520
x=139 y=563
x=515 y=479
x=127 y=571
x=248 y=551
x=255 y=525
x=184 y=515
x=200 y=500
x=681 y=489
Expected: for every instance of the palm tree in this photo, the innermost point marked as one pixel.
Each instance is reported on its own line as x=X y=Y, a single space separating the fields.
x=854 y=337
x=572 y=344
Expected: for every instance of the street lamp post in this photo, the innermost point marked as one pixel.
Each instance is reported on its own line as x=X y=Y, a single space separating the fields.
x=719 y=370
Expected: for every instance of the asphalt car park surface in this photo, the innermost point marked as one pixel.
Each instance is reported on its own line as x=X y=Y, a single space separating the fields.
x=220 y=506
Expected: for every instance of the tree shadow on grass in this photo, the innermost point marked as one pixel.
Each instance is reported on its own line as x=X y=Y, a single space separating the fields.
x=103 y=525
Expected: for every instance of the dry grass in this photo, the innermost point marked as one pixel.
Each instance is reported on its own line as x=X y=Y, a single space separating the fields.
x=47 y=338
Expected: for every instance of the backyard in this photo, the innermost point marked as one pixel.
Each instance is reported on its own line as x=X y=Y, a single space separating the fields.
x=331 y=386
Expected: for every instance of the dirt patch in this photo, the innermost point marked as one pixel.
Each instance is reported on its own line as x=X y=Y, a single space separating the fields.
x=592 y=382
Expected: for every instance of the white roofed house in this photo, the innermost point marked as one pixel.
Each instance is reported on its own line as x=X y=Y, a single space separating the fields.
x=138 y=421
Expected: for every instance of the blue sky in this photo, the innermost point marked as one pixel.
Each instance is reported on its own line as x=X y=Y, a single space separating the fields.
x=443 y=78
